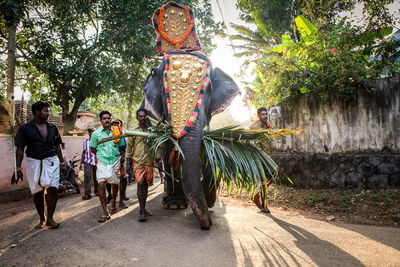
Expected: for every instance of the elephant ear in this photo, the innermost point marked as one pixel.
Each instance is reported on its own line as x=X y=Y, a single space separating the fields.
x=224 y=90
x=152 y=100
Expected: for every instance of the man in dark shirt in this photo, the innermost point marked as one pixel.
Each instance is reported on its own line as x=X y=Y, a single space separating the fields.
x=43 y=160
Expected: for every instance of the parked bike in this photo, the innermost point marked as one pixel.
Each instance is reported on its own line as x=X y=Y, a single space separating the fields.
x=69 y=179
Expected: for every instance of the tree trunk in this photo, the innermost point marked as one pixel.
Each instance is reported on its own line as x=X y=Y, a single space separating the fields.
x=129 y=119
x=69 y=118
x=11 y=74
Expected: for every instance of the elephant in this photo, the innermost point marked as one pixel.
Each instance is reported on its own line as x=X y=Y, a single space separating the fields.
x=218 y=94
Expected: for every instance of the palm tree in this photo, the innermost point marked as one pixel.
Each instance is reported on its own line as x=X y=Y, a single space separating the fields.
x=253 y=44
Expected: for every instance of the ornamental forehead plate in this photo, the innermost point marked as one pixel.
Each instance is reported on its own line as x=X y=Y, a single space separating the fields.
x=184 y=75
x=175 y=23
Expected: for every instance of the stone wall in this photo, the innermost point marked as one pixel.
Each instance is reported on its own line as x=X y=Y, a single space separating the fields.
x=341 y=171
x=346 y=145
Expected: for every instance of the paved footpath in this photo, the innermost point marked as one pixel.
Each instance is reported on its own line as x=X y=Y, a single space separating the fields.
x=240 y=236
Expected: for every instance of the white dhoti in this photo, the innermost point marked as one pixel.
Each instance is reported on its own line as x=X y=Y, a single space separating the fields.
x=42 y=173
x=108 y=173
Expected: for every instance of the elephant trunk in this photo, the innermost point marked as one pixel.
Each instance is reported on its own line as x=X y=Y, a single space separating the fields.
x=191 y=177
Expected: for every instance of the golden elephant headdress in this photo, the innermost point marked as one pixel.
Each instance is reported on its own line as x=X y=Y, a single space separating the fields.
x=187 y=71
x=175 y=28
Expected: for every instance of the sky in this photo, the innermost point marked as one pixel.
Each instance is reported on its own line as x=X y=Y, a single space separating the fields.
x=223 y=58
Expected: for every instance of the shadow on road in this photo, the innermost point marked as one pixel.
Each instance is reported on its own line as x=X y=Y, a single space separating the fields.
x=321 y=252
x=168 y=238
x=389 y=237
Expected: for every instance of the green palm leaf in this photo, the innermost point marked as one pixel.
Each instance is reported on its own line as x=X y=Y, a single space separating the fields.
x=232 y=153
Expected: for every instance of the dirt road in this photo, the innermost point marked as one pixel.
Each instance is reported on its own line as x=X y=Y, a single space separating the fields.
x=239 y=237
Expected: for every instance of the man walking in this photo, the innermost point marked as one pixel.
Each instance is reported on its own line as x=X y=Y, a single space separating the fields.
x=88 y=162
x=123 y=181
x=144 y=171
x=262 y=123
x=43 y=160
x=108 y=163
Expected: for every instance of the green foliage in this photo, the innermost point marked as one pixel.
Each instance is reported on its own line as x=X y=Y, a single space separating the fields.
x=232 y=153
x=328 y=58
x=233 y=158
x=253 y=44
x=12 y=11
x=273 y=17
x=77 y=50
x=322 y=65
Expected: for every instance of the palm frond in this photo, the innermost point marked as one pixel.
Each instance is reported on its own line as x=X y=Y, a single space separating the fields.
x=234 y=157
x=232 y=153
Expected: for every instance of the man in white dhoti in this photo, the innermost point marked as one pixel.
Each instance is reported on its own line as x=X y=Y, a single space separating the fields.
x=43 y=160
x=108 y=162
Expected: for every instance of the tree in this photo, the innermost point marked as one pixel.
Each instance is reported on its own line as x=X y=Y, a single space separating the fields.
x=79 y=45
x=253 y=44
x=11 y=13
x=331 y=58
x=273 y=17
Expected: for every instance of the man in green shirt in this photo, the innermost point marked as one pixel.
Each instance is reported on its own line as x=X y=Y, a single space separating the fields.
x=108 y=162
x=144 y=168
x=262 y=123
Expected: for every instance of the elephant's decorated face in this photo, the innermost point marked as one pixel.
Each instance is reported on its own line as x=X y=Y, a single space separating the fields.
x=185 y=79
x=180 y=87
x=218 y=94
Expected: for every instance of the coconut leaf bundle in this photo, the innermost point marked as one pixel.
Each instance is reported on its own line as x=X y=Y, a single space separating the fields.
x=232 y=153
x=235 y=157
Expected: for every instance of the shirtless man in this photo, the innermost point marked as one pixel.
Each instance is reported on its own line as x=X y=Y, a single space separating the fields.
x=262 y=123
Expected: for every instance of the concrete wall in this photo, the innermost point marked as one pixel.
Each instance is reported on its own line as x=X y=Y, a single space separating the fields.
x=338 y=132
x=371 y=123
x=73 y=145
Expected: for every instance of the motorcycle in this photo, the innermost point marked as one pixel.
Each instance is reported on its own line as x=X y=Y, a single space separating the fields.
x=69 y=179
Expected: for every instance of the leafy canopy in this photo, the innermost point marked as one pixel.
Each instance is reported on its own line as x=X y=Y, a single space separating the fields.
x=86 y=49
x=320 y=54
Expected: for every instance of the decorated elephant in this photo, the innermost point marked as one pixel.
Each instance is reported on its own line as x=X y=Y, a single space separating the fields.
x=175 y=100
x=185 y=91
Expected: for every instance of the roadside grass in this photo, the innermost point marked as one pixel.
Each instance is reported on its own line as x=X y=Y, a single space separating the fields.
x=375 y=206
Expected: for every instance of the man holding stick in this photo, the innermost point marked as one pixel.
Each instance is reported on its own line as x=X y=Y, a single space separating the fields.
x=108 y=163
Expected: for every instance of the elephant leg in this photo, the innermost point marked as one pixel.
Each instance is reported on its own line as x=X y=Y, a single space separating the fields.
x=191 y=179
x=174 y=197
x=209 y=188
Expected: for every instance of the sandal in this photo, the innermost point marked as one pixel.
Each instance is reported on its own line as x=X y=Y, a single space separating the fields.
x=86 y=197
x=52 y=226
x=147 y=214
x=142 y=218
x=104 y=218
x=40 y=225
x=123 y=205
x=113 y=210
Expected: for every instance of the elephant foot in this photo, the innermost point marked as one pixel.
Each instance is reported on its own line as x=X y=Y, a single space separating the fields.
x=174 y=203
x=206 y=223
x=211 y=197
x=201 y=212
